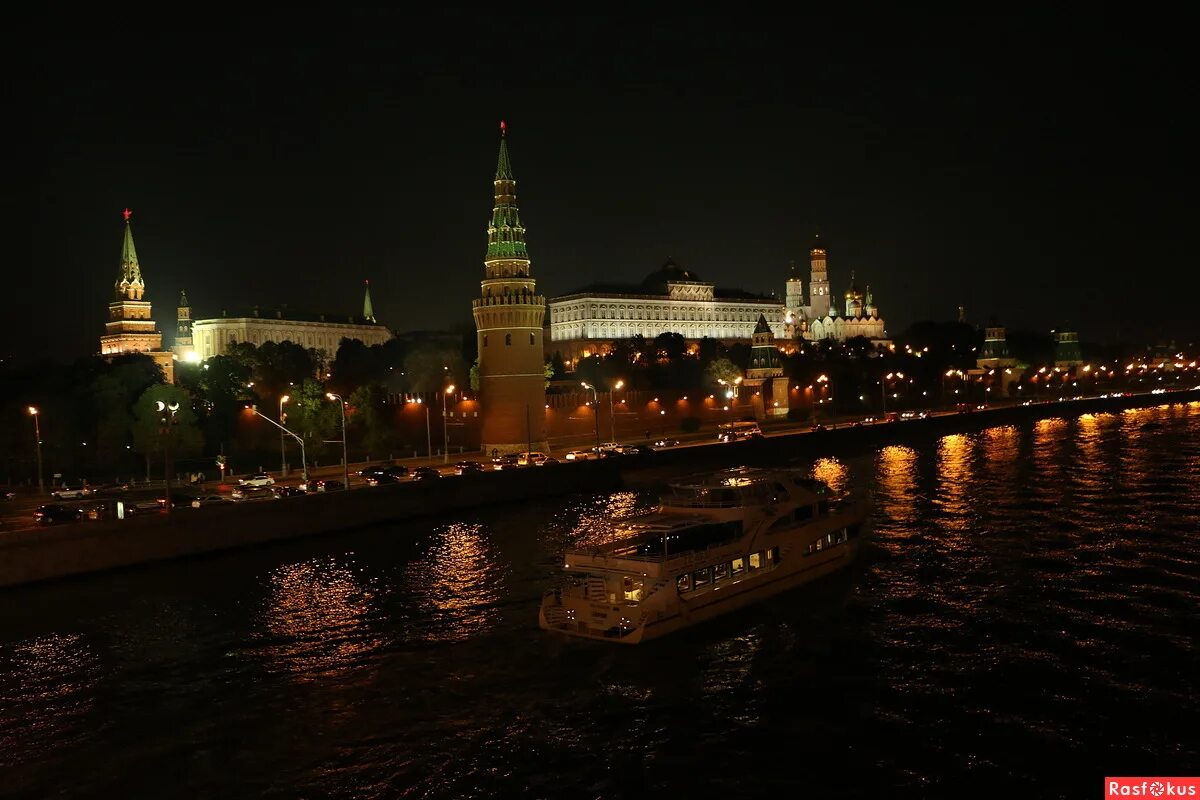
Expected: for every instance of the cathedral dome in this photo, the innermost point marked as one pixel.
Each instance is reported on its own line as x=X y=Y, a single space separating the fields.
x=670 y=272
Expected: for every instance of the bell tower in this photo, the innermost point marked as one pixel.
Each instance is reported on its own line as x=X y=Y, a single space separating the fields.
x=818 y=285
x=508 y=322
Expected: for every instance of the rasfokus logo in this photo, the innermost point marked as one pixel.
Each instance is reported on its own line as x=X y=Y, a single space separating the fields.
x=1151 y=787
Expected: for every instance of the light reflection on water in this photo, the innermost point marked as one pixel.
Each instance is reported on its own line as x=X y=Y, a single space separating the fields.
x=1026 y=594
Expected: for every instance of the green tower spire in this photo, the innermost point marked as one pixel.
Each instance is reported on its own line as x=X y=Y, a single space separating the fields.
x=506 y=235
x=183 y=301
x=129 y=284
x=368 y=309
x=130 y=269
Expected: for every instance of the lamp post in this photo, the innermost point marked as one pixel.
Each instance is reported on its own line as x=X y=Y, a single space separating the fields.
x=166 y=421
x=303 y=457
x=345 y=462
x=818 y=397
x=37 y=433
x=612 y=419
x=428 y=441
x=883 y=387
x=445 y=428
x=282 y=449
x=595 y=408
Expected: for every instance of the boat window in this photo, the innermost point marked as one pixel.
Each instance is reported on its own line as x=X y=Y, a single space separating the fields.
x=773 y=555
x=701 y=577
x=720 y=572
x=755 y=560
x=781 y=522
x=738 y=566
x=633 y=588
x=684 y=583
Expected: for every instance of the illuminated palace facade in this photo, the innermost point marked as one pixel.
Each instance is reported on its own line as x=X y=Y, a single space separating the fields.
x=321 y=332
x=130 y=327
x=675 y=300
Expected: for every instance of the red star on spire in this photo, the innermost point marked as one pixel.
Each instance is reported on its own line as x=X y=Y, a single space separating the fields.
x=127 y=214
x=503 y=128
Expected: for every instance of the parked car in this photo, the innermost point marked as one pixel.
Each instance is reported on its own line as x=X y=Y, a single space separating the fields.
x=55 y=514
x=324 y=485
x=532 y=458
x=281 y=492
x=548 y=460
x=209 y=500
x=251 y=492
x=635 y=449
x=425 y=473
x=583 y=455
x=468 y=467
x=393 y=474
x=666 y=443
x=506 y=461
x=376 y=470
x=76 y=492
x=257 y=479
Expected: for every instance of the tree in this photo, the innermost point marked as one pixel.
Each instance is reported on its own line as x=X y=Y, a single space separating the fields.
x=670 y=345
x=150 y=436
x=548 y=371
x=722 y=371
x=370 y=419
x=313 y=417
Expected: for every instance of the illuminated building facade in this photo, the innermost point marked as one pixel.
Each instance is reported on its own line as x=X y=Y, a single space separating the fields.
x=183 y=349
x=130 y=327
x=321 y=332
x=508 y=321
x=1066 y=349
x=675 y=300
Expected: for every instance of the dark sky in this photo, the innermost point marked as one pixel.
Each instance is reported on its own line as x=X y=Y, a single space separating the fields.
x=1038 y=169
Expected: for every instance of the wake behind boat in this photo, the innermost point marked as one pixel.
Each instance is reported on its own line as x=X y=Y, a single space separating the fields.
x=713 y=545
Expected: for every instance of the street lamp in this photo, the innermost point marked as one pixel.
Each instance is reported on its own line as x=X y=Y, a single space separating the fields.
x=428 y=441
x=282 y=449
x=445 y=429
x=883 y=387
x=303 y=457
x=595 y=408
x=612 y=419
x=37 y=433
x=166 y=421
x=345 y=462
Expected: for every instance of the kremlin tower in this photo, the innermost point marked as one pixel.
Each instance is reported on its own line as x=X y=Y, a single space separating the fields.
x=130 y=328
x=508 y=319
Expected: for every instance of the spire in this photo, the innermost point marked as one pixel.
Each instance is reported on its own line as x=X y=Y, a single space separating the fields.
x=183 y=301
x=368 y=309
x=792 y=269
x=762 y=326
x=506 y=235
x=503 y=168
x=130 y=269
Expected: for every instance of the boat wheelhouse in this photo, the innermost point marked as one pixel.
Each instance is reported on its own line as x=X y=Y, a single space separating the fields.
x=714 y=544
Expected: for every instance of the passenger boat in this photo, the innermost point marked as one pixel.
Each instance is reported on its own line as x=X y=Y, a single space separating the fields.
x=714 y=544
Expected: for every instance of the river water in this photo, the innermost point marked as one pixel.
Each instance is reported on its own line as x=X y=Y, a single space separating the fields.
x=1023 y=619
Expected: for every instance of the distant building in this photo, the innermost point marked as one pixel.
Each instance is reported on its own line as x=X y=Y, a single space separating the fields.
x=676 y=300
x=130 y=327
x=1066 y=349
x=322 y=332
x=764 y=375
x=508 y=322
x=183 y=349
x=994 y=352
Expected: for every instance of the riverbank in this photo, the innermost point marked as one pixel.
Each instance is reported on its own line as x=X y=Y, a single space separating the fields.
x=49 y=553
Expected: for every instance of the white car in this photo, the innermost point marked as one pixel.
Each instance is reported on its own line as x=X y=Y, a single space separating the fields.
x=531 y=459
x=71 y=492
x=258 y=479
x=583 y=455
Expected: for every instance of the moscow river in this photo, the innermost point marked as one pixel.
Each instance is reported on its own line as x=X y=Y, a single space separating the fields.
x=1023 y=620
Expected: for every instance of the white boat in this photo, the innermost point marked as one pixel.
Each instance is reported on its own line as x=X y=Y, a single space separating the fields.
x=713 y=545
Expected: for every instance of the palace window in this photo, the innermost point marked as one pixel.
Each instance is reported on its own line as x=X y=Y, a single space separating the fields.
x=531 y=340
x=507 y=339
x=485 y=340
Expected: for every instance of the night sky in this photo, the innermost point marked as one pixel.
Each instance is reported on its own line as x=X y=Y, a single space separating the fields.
x=1040 y=170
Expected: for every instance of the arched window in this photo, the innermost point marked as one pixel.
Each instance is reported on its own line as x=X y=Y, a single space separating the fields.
x=485 y=340
x=507 y=339
x=531 y=338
